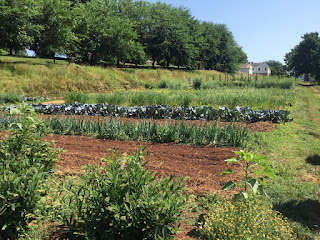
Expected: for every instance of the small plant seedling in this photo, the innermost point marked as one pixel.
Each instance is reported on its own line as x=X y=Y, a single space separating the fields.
x=255 y=170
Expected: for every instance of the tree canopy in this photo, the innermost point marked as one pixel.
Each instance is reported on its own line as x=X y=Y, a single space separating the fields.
x=277 y=68
x=304 y=58
x=117 y=31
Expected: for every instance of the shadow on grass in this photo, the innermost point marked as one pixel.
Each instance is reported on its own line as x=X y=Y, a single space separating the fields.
x=313 y=160
x=305 y=212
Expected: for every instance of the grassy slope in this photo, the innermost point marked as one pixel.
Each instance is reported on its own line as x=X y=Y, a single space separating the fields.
x=32 y=76
x=295 y=149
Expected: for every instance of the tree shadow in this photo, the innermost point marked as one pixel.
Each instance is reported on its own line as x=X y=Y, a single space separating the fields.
x=305 y=212
x=313 y=160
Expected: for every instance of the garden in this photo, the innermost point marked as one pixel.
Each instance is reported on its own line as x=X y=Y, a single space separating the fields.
x=217 y=159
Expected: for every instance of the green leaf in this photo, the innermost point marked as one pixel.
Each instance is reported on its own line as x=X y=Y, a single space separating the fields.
x=226 y=172
x=231 y=160
x=244 y=194
x=268 y=172
x=254 y=184
x=14 y=111
x=229 y=186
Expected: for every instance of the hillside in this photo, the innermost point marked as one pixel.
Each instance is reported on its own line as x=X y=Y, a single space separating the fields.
x=34 y=76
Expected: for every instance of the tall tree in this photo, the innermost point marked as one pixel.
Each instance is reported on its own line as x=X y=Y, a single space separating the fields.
x=55 y=33
x=277 y=68
x=305 y=57
x=16 y=24
x=102 y=33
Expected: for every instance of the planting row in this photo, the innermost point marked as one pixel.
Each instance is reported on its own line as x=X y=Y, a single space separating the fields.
x=227 y=97
x=164 y=112
x=179 y=132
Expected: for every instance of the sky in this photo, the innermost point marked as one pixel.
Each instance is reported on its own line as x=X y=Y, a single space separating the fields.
x=266 y=30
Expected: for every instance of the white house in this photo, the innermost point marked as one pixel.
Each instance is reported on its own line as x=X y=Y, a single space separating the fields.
x=262 y=69
x=246 y=68
x=256 y=68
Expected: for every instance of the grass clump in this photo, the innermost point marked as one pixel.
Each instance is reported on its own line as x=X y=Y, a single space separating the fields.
x=122 y=200
x=80 y=97
x=10 y=97
x=244 y=220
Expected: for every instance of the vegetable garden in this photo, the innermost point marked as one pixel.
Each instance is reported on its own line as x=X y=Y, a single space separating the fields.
x=161 y=170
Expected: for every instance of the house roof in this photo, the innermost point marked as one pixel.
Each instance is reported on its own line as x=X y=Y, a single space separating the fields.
x=245 y=65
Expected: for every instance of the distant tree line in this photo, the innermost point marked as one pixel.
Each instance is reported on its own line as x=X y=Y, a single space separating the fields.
x=117 y=31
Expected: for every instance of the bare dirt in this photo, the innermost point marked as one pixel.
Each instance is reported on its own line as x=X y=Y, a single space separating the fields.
x=202 y=165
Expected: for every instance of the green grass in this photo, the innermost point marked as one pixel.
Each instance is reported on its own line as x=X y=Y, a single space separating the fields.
x=295 y=150
x=34 y=76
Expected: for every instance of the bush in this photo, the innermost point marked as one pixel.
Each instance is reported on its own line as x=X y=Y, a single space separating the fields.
x=244 y=220
x=25 y=161
x=122 y=201
x=163 y=84
x=197 y=83
x=3 y=52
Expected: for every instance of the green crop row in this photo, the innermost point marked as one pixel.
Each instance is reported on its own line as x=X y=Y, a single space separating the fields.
x=245 y=97
x=179 y=132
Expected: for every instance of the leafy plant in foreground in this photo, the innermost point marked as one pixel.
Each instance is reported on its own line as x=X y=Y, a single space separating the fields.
x=122 y=200
x=25 y=162
x=252 y=165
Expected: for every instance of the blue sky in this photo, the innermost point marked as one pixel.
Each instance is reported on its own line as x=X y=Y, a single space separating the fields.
x=266 y=30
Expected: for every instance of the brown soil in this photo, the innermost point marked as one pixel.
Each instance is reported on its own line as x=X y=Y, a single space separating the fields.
x=54 y=102
x=202 y=165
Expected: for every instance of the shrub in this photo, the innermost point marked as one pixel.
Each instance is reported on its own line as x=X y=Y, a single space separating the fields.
x=244 y=220
x=122 y=201
x=3 y=52
x=25 y=161
x=163 y=84
x=197 y=83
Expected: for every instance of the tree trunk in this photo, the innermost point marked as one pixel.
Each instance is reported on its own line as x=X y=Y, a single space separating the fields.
x=118 y=63
x=10 y=51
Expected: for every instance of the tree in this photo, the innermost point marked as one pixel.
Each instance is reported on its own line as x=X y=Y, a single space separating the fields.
x=103 y=33
x=304 y=58
x=218 y=49
x=277 y=68
x=16 y=24
x=55 y=32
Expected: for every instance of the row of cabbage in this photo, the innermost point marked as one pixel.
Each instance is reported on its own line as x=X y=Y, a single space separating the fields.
x=163 y=112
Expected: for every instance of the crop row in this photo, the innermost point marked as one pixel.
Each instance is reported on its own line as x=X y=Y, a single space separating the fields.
x=179 y=132
x=164 y=112
x=248 y=97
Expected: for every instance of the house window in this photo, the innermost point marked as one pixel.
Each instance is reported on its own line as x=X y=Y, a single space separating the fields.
x=258 y=69
x=265 y=69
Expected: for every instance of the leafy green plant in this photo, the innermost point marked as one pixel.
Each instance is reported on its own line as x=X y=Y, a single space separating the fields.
x=197 y=83
x=122 y=200
x=255 y=170
x=244 y=220
x=25 y=162
x=163 y=84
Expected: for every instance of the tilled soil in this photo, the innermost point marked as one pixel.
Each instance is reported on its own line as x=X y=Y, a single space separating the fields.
x=203 y=165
